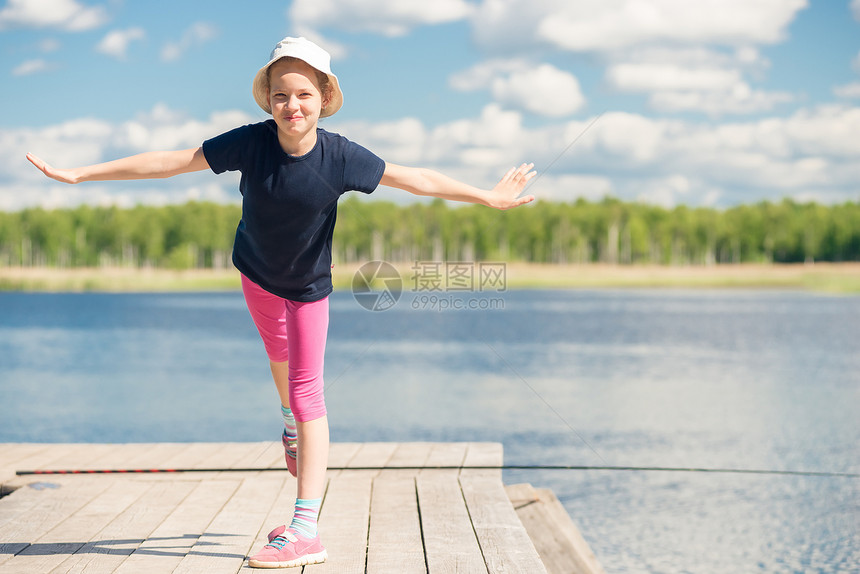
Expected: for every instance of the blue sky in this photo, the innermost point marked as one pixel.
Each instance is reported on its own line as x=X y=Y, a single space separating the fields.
x=714 y=102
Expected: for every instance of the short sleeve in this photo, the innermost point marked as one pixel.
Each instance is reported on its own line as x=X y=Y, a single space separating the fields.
x=362 y=169
x=229 y=151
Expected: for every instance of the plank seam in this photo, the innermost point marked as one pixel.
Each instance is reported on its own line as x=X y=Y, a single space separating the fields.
x=421 y=525
x=369 y=520
x=472 y=524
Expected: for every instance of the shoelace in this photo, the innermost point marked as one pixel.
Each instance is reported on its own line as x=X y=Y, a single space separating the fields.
x=281 y=540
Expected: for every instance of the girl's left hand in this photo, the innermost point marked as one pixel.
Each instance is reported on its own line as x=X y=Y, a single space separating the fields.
x=505 y=195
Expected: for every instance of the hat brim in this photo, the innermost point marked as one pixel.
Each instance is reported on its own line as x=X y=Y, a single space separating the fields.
x=260 y=89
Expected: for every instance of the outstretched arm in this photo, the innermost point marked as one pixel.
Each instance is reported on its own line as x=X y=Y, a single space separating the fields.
x=150 y=165
x=419 y=181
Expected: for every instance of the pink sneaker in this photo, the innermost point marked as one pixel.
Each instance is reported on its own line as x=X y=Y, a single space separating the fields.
x=276 y=532
x=288 y=550
x=289 y=454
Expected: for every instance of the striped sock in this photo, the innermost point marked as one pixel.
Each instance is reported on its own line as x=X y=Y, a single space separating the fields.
x=305 y=518
x=290 y=437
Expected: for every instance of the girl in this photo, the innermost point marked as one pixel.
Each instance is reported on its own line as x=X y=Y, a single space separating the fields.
x=293 y=173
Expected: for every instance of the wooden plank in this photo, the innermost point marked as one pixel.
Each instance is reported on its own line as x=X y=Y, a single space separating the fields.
x=165 y=548
x=394 y=542
x=18 y=507
x=35 y=453
x=215 y=454
x=410 y=454
x=273 y=456
x=254 y=454
x=449 y=540
x=444 y=454
x=80 y=456
x=183 y=455
x=98 y=456
x=37 y=459
x=400 y=510
x=343 y=524
x=191 y=455
x=484 y=454
x=340 y=453
x=280 y=513
x=227 y=455
x=148 y=455
x=106 y=551
x=8 y=449
x=11 y=453
x=504 y=542
x=558 y=541
x=231 y=534
x=51 y=549
x=55 y=505
x=372 y=454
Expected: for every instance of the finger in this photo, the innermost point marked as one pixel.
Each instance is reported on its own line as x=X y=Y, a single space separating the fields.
x=524 y=173
x=520 y=201
x=35 y=160
x=525 y=199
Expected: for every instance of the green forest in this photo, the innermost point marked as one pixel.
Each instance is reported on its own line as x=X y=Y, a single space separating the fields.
x=200 y=235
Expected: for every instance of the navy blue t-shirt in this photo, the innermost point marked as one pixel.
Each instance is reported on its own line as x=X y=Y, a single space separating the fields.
x=289 y=204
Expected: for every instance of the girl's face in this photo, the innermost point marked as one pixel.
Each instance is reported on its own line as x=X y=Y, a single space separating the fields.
x=295 y=98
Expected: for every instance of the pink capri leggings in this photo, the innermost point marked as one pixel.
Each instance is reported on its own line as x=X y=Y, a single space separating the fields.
x=294 y=332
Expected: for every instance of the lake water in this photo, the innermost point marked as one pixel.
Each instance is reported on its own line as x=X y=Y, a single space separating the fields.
x=718 y=379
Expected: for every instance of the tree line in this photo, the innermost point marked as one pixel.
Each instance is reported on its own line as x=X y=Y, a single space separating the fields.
x=200 y=235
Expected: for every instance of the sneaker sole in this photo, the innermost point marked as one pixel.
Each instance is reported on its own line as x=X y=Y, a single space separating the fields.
x=318 y=558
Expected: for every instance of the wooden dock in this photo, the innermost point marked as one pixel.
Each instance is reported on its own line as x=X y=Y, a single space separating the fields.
x=406 y=515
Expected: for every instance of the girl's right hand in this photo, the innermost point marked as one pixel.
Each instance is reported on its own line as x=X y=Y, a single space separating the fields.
x=62 y=175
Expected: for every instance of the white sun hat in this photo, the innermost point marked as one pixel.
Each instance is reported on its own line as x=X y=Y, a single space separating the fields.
x=311 y=54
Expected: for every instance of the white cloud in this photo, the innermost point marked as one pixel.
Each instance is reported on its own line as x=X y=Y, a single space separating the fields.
x=390 y=18
x=63 y=14
x=386 y=17
x=646 y=77
x=87 y=141
x=30 y=67
x=116 y=42
x=658 y=69
x=668 y=161
x=488 y=141
x=610 y=25
x=196 y=35
x=855 y=63
x=540 y=89
x=544 y=90
x=848 y=90
x=164 y=129
x=695 y=80
x=812 y=153
x=855 y=8
x=739 y=99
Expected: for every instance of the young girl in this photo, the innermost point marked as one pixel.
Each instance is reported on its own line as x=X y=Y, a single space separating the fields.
x=293 y=173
